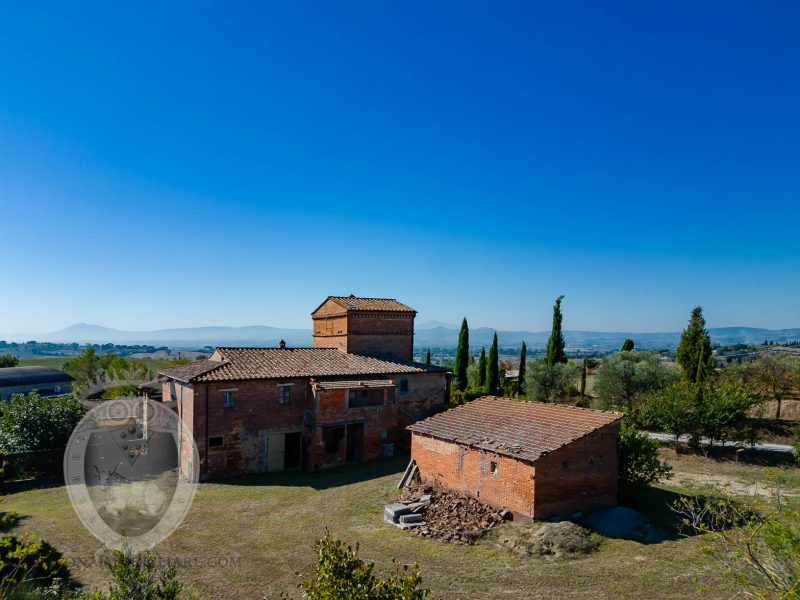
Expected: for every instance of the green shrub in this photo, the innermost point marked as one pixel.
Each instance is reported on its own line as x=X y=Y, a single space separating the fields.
x=30 y=423
x=341 y=575
x=796 y=447
x=24 y=560
x=639 y=464
x=138 y=577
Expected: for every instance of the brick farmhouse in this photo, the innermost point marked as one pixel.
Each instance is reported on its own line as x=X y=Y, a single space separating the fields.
x=536 y=460
x=347 y=399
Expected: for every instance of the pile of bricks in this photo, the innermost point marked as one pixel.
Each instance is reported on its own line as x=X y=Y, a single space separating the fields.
x=449 y=516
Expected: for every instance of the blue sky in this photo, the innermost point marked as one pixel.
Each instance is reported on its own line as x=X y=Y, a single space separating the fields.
x=216 y=164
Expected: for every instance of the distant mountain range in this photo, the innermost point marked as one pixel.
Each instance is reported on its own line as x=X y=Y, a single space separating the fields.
x=433 y=334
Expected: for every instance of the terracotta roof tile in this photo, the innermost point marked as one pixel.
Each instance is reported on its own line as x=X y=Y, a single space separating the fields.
x=378 y=304
x=516 y=428
x=278 y=363
x=190 y=371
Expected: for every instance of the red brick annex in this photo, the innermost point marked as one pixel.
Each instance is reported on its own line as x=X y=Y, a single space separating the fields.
x=536 y=460
x=348 y=399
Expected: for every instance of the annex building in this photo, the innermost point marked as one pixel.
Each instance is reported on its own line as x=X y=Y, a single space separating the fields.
x=536 y=460
x=347 y=399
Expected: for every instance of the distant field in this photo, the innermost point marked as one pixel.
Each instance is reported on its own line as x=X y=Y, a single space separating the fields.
x=246 y=537
x=57 y=362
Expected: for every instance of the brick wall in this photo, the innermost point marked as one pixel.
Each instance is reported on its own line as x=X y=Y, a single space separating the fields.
x=256 y=413
x=383 y=334
x=579 y=477
x=469 y=471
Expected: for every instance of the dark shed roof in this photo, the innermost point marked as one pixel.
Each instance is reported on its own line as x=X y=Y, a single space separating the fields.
x=11 y=376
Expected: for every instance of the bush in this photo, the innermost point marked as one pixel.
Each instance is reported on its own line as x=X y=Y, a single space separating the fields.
x=138 y=577
x=341 y=575
x=30 y=423
x=550 y=383
x=26 y=561
x=796 y=446
x=639 y=464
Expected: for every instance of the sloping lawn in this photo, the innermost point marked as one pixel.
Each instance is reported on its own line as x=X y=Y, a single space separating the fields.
x=248 y=537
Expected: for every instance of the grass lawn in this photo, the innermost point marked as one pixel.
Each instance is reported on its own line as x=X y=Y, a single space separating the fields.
x=244 y=538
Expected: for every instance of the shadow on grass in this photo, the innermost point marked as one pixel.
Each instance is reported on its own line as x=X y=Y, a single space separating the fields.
x=322 y=480
x=23 y=485
x=656 y=505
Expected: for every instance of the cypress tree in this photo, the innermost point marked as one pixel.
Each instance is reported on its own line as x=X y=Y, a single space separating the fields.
x=694 y=353
x=627 y=345
x=428 y=358
x=583 y=380
x=521 y=377
x=482 y=370
x=555 y=345
x=462 y=357
x=493 y=368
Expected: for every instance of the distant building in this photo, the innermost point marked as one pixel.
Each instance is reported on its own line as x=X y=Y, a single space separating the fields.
x=348 y=399
x=44 y=380
x=536 y=460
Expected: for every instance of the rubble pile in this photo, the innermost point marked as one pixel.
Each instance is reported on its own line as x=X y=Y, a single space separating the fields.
x=442 y=514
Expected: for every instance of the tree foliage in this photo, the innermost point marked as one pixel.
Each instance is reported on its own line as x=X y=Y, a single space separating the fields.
x=555 y=345
x=428 y=358
x=493 y=368
x=8 y=360
x=694 y=353
x=523 y=357
x=627 y=345
x=718 y=409
x=625 y=377
x=549 y=383
x=639 y=464
x=462 y=357
x=755 y=544
x=342 y=575
x=93 y=369
x=482 y=372
x=774 y=376
x=30 y=423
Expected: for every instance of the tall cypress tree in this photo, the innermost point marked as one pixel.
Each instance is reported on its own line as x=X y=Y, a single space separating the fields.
x=428 y=358
x=628 y=345
x=521 y=377
x=493 y=368
x=694 y=353
x=482 y=370
x=583 y=379
x=555 y=345
x=462 y=357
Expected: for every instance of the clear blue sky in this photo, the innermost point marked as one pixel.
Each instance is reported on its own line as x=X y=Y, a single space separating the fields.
x=168 y=165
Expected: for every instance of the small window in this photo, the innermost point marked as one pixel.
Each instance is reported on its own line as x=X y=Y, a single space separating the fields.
x=402 y=386
x=228 y=400
x=493 y=468
x=285 y=394
x=216 y=441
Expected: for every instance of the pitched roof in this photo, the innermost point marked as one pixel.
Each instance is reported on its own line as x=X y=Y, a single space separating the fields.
x=371 y=304
x=280 y=363
x=31 y=376
x=191 y=371
x=516 y=428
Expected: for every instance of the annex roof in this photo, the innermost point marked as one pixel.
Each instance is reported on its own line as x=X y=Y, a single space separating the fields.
x=237 y=364
x=10 y=376
x=515 y=428
x=351 y=302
